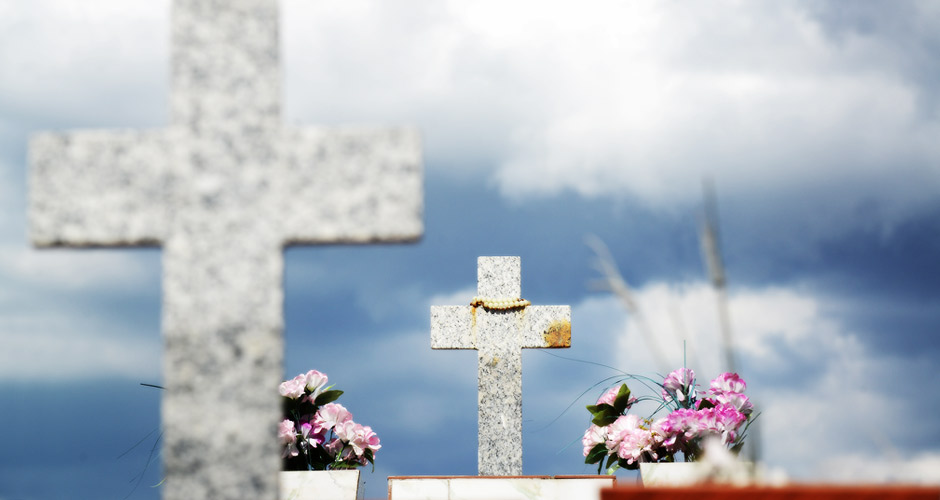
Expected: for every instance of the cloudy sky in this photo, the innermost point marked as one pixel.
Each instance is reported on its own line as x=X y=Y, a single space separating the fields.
x=542 y=123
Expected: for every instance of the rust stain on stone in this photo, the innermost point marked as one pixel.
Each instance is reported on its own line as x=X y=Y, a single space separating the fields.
x=558 y=334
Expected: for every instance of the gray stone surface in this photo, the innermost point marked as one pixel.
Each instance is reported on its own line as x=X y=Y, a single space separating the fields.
x=499 y=337
x=223 y=189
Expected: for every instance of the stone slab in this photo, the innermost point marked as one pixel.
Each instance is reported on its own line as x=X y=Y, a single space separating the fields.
x=320 y=484
x=498 y=487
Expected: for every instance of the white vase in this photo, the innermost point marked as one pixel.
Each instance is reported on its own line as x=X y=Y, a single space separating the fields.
x=319 y=484
x=691 y=473
x=672 y=473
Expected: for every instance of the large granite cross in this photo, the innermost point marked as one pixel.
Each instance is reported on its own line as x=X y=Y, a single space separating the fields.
x=499 y=333
x=223 y=189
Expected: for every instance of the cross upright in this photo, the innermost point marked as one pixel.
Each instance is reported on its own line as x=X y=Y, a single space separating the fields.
x=499 y=333
x=223 y=189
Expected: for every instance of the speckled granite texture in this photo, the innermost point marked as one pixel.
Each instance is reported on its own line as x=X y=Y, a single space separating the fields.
x=223 y=189
x=499 y=337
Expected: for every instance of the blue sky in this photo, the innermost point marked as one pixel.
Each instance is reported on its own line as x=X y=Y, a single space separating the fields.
x=542 y=123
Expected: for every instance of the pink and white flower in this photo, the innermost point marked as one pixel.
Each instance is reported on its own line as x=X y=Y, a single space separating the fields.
x=608 y=397
x=735 y=400
x=617 y=430
x=728 y=382
x=636 y=445
x=360 y=437
x=679 y=385
x=309 y=427
x=315 y=382
x=333 y=447
x=594 y=436
x=329 y=416
x=718 y=417
x=309 y=437
x=293 y=388
x=287 y=435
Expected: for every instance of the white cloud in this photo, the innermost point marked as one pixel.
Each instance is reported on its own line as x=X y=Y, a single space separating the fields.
x=621 y=99
x=44 y=347
x=831 y=413
x=917 y=468
x=457 y=298
x=632 y=99
x=85 y=64
x=71 y=269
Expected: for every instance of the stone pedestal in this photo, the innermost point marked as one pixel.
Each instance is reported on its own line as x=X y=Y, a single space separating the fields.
x=319 y=485
x=502 y=487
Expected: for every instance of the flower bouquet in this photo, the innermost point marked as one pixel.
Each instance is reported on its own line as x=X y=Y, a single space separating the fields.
x=625 y=439
x=318 y=434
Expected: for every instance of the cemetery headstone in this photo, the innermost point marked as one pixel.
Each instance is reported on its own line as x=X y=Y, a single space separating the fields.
x=223 y=189
x=499 y=324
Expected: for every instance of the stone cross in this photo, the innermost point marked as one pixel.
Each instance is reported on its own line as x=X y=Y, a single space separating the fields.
x=223 y=189
x=499 y=335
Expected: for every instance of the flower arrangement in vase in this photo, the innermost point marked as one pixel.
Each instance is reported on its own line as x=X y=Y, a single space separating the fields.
x=317 y=433
x=624 y=440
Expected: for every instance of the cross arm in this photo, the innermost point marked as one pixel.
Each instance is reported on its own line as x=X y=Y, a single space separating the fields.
x=352 y=185
x=547 y=327
x=98 y=188
x=453 y=327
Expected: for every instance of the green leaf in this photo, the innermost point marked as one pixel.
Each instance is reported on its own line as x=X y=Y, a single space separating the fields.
x=622 y=399
x=594 y=409
x=611 y=470
x=623 y=464
x=605 y=419
x=610 y=461
x=327 y=397
x=597 y=454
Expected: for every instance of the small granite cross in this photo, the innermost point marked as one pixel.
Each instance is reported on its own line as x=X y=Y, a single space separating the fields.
x=499 y=334
x=223 y=189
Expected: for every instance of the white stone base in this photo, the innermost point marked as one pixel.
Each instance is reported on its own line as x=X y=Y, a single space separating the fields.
x=319 y=485
x=501 y=487
x=692 y=473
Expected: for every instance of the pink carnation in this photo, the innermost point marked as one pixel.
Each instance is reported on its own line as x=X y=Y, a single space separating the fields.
x=310 y=437
x=679 y=427
x=728 y=382
x=684 y=426
x=679 y=385
x=724 y=421
x=293 y=388
x=658 y=431
x=333 y=447
x=315 y=382
x=360 y=437
x=287 y=434
x=735 y=400
x=635 y=443
x=617 y=430
x=594 y=436
x=329 y=415
x=608 y=397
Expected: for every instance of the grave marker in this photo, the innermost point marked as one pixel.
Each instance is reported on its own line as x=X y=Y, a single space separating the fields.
x=223 y=189
x=499 y=334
